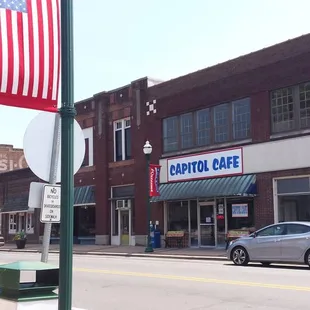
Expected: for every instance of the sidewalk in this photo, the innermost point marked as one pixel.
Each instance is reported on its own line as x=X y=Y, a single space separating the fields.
x=127 y=251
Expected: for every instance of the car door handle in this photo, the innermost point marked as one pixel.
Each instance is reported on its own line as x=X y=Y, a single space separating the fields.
x=277 y=240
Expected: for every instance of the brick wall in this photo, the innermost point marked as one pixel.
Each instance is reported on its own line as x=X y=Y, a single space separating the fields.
x=11 y=158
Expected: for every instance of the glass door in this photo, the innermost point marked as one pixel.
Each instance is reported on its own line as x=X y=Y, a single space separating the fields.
x=207 y=225
x=124 y=227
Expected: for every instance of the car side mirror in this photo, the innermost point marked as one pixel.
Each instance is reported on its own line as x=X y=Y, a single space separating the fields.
x=254 y=234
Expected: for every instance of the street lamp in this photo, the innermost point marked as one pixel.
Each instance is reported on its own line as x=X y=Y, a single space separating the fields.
x=147 y=150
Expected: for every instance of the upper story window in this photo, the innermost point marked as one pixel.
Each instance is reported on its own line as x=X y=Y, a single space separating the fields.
x=223 y=123
x=122 y=140
x=290 y=108
x=89 y=147
x=203 y=127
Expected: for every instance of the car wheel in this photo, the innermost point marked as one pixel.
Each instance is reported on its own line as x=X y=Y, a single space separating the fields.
x=265 y=264
x=307 y=258
x=240 y=256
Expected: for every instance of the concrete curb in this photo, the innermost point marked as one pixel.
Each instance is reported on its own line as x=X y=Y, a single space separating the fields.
x=140 y=255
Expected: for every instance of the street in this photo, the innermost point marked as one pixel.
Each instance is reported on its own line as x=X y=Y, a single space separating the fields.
x=148 y=284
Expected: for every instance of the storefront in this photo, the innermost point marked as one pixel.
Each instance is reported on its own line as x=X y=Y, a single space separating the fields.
x=84 y=221
x=292 y=198
x=206 y=195
x=122 y=215
x=17 y=217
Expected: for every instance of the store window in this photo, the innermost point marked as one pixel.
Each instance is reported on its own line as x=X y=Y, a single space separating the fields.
x=178 y=216
x=290 y=108
x=240 y=214
x=293 y=199
x=294 y=208
x=21 y=222
x=30 y=223
x=84 y=221
x=55 y=233
x=12 y=223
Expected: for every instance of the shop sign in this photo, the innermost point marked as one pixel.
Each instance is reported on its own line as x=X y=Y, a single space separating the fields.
x=240 y=210
x=205 y=165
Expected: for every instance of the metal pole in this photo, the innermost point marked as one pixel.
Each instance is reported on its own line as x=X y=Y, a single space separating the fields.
x=52 y=180
x=67 y=113
x=149 y=247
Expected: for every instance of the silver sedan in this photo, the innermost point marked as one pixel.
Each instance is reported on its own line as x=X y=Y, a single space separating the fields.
x=287 y=242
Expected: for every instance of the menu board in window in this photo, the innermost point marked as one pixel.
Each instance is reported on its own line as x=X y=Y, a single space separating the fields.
x=239 y=210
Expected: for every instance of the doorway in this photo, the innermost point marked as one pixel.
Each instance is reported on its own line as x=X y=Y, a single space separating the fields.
x=207 y=224
x=124 y=227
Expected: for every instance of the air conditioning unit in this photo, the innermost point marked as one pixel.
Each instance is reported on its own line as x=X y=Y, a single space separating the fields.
x=123 y=204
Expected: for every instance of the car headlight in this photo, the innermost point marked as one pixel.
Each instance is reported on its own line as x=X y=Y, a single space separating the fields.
x=232 y=242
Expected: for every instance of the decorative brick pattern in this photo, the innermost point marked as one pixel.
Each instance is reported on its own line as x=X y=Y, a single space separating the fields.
x=151 y=107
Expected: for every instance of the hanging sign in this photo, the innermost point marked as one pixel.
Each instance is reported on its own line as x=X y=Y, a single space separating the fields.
x=154 y=171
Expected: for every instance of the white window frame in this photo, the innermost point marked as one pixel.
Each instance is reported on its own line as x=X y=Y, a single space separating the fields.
x=30 y=217
x=123 y=125
x=13 y=224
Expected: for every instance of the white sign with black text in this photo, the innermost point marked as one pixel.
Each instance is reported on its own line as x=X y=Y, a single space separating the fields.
x=50 y=211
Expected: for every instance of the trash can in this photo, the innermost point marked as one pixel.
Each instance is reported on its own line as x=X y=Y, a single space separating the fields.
x=157 y=239
x=28 y=285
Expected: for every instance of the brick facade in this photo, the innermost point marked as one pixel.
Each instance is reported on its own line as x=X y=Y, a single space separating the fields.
x=11 y=158
x=252 y=75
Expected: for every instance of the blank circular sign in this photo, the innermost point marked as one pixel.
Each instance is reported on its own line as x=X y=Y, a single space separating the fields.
x=38 y=145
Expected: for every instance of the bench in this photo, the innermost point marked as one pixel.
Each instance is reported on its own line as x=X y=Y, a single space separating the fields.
x=86 y=240
x=174 y=239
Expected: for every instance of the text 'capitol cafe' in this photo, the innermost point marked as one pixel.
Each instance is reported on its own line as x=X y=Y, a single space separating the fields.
x=206 y=195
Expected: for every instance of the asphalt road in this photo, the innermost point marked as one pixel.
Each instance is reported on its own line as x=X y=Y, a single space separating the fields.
x=108 y=283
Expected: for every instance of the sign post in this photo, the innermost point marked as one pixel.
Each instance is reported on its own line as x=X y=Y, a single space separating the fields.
x=52 y=180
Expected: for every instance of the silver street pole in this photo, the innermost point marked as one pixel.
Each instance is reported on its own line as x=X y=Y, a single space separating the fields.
x=52 y=181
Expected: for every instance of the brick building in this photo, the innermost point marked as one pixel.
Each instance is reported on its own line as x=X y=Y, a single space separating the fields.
x=15 y=185
x=231 y=139
x=11 y=158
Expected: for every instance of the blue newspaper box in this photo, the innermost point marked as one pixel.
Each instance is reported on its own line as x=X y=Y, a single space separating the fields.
x=157 y=239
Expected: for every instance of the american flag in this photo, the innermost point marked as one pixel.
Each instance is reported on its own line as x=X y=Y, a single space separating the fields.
x=29 y=53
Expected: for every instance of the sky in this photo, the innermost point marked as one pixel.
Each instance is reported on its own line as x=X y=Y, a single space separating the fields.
x=116 y=42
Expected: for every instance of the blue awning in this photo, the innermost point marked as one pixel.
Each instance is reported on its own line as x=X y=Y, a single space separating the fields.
x=244 y=185
x=84 y=195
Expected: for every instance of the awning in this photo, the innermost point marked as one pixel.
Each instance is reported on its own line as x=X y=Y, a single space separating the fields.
x=84 y=195
x=16 y=204
x=244 y=185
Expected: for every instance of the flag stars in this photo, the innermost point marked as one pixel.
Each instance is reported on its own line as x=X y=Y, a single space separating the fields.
x=14 y=5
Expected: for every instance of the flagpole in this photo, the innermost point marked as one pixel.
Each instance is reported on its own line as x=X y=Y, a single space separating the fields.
x=67 y=112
